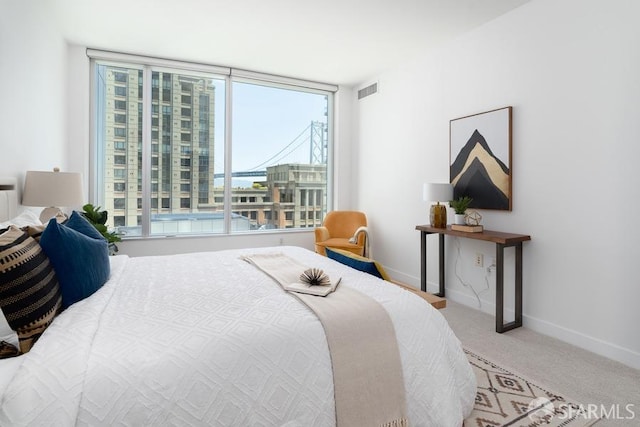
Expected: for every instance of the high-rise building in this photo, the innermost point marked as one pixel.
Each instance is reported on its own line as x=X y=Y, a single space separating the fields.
x=182 y=144
x=183 y=196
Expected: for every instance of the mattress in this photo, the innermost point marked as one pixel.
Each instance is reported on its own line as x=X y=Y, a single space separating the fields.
x=208 y=339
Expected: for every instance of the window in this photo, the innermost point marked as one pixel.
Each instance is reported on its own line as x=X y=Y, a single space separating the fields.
x=120 y=77
x=119 y=203
x=278 y=154
x=283 y=155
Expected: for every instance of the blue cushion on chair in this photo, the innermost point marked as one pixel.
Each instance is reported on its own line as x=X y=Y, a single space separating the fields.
x=358 y=262
x=81 y=262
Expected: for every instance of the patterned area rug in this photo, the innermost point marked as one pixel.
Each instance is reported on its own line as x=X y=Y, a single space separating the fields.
x=507 y=399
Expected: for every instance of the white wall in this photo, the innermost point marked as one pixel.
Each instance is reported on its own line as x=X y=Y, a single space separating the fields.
x=32 y=90
x=570 y=70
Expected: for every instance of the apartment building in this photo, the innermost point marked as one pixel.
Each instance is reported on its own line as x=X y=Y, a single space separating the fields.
x=182 y=143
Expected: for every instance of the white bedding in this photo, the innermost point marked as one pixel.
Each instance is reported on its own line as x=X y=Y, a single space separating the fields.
x=208 y=339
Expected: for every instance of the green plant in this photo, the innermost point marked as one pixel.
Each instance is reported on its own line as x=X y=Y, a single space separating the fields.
x=98 y=219
x=461 y=204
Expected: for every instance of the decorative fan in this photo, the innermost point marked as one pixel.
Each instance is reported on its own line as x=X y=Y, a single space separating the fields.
x=315 y=277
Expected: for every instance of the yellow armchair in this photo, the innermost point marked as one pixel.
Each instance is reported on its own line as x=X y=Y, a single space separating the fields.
x=338 y=228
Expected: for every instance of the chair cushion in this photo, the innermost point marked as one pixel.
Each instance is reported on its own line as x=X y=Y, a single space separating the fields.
x=339 y=243
x=358 y=262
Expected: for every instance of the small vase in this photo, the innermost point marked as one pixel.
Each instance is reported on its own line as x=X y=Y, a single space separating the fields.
x=459 y=219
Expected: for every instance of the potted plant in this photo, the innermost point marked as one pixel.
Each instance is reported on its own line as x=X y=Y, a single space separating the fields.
x=98 y=219
x=459 y=206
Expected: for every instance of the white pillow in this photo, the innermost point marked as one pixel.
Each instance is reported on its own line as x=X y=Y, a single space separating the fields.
x=6 y=333
x=27 y=217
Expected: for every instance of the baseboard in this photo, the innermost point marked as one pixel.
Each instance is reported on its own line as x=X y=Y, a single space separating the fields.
x=586 y=342
x=410 y=280
x=594 y=345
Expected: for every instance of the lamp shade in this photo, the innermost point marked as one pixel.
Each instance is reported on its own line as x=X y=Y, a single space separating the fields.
x=437 y=192
x=53 y=189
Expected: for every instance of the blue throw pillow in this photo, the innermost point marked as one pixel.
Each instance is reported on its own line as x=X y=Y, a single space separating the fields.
x=81 y=224
x=80 y=262
x=358 y=262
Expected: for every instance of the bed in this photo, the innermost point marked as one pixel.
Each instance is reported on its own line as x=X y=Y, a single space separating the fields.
x=208 y=339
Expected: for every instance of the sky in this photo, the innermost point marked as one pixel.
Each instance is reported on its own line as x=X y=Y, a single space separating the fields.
x=266 y=120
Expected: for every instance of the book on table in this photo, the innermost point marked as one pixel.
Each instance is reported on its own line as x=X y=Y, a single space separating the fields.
x=467 y=228
x=305 y=288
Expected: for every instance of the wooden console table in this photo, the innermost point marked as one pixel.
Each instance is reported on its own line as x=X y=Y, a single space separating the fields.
x=502 y=240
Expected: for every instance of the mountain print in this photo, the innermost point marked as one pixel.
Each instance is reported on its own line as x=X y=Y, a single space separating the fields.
x=476 y=172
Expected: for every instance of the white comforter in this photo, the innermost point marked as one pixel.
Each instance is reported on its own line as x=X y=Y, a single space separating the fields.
x=208 y=339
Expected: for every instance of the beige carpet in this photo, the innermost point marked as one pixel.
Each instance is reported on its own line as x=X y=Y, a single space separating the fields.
x=507 y=399
x=570 y=371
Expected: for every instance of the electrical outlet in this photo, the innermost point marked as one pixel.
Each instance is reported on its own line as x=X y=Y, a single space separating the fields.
x=479 y=260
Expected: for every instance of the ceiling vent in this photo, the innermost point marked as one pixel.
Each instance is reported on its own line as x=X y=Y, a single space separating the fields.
x=369 y=90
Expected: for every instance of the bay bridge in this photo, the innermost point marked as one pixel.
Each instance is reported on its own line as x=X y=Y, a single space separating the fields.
x=317 y=138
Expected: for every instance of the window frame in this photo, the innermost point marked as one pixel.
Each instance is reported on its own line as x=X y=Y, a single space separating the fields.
x=148 y=65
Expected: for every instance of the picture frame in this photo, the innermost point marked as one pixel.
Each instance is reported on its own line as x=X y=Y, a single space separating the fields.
x=480 y=158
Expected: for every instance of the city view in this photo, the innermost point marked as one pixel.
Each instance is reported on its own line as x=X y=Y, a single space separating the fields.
x=278 y=169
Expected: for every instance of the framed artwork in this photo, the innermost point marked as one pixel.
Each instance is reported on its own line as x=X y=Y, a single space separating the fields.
x=480 y=158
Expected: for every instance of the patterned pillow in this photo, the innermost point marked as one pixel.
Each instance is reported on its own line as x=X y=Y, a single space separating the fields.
x=29 y=292
x=81 y=262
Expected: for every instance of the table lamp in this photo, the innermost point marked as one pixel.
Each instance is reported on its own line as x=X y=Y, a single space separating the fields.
x=52 y=189
x=437 y=192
